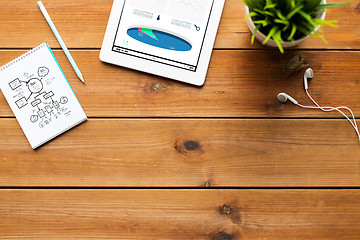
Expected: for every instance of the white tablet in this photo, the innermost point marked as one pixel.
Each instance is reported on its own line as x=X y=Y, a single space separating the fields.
x=169 y=38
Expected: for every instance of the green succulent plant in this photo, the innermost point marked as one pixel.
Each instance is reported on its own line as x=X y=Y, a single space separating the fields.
x=288 y=20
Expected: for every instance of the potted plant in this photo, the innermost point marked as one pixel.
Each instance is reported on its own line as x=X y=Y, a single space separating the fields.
x=286 y=23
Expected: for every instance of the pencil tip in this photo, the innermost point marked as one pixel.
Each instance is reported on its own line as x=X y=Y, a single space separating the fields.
x=81 y=78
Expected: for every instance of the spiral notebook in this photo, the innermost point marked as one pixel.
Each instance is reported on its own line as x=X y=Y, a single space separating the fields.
x=40 y=96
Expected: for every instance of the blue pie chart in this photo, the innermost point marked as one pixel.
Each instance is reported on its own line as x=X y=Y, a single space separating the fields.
x=159 y=39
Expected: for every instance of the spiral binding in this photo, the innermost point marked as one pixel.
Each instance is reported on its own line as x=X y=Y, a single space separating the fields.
x=25 y=55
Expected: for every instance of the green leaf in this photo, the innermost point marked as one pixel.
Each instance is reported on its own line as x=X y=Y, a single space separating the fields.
x=252 y=14
x=303 y=30
x=272 y=31
x=293 y=31
x=311 y=5
x=278 y=40
x=288 y=18
x=270 y=5
x=318 y=35
x=307 y=17
x=279 y=14
x=266 y=13
x=331 y=5
x=309 y=27
x=319 y=22
x=262 y=22
x=254 y=33
x=294 y=11
x=253 y=4
x=281 y=21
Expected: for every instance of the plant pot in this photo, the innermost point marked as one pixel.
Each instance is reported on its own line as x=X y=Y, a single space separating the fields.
x=259 y=36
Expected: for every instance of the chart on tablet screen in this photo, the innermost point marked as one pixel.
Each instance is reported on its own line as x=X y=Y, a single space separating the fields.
x=166 y=31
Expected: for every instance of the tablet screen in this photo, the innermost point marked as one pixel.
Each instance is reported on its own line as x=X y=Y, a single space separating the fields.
x=170 y=32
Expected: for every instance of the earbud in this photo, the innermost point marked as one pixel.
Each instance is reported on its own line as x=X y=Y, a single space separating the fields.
x=283 y=97
x=309 y=73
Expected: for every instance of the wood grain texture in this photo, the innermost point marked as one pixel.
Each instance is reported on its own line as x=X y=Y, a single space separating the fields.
x=82 y=24
x=199 y=140
x=180 y=214
x=238 y=84
x=185 y=153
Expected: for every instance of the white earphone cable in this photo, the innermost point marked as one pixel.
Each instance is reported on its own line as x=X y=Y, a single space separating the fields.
x=332 y=109
x=283 y=97
x=328 y=109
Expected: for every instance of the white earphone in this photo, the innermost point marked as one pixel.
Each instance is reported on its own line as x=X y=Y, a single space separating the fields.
x=283 y=97
x=309 y=73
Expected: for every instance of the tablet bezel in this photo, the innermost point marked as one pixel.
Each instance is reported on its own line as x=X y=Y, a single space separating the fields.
x=196 y=78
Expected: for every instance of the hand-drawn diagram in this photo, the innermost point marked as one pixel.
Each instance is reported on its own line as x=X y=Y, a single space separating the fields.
x=31 y=93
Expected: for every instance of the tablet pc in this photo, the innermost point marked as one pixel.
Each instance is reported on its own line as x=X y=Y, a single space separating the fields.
x=169 y=38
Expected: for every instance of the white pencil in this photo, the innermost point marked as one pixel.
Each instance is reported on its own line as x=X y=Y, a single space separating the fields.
x=58 y=37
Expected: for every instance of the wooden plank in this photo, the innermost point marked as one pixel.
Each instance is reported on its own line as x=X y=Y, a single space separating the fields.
x=185 y=153
x=237 y=85
x=180 y=214
x=82 y=24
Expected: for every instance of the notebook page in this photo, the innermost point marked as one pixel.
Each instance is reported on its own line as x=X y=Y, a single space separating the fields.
x=40 y=96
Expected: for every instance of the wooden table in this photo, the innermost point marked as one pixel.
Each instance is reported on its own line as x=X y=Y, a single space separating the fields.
x=159 y=159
